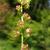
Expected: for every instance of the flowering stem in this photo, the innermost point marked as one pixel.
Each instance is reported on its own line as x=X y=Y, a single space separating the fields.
x=21 y=34
x=21 y=10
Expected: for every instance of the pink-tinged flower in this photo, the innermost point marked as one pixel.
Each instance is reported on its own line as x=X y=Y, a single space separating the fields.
x=22 y=48
x=18 y=7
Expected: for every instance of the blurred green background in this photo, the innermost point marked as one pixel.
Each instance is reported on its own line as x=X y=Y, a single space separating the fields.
x=38 y=10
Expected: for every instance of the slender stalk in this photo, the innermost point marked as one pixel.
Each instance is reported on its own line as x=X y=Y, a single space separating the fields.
x=21 y=33
x=21 y=42
x=21 y=11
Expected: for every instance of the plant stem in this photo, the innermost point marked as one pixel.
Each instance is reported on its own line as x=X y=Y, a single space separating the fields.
x=21 y=11
x=21 y=42
x=21 y=20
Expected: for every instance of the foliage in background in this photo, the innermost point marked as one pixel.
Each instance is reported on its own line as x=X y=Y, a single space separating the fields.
x=36 y=23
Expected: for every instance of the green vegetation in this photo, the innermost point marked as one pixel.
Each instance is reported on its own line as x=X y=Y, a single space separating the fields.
x=24 y=25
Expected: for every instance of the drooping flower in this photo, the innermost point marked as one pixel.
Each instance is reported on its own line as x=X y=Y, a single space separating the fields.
x=18 y=7
x=28 y=31
x=25 y=47
x=16 y=33
x=20 y=23
x=26 y=16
